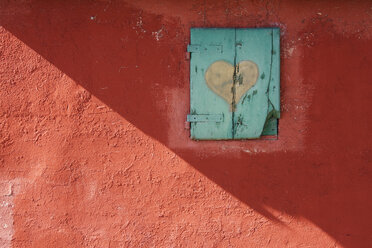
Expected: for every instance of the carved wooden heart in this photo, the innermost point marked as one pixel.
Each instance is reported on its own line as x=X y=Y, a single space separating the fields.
x=220 y=75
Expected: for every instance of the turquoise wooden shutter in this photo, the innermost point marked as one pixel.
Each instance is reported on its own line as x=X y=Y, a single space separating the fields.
x=234 y=83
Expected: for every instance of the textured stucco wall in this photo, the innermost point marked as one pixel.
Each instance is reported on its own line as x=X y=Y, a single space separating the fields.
x=94 y=150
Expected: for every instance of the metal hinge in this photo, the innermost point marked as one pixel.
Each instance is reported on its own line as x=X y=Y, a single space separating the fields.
x=205 y=118
x=191 y=48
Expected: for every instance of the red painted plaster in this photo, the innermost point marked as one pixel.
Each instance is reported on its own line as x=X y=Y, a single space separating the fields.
x=94 y=150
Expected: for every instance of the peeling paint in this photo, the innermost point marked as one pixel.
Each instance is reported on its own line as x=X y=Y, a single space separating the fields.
x=158 y=34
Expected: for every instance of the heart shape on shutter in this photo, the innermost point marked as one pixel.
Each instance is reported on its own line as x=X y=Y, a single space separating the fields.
x=220 y=75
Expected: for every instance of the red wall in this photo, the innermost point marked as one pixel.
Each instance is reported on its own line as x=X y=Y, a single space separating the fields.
x=94 y=150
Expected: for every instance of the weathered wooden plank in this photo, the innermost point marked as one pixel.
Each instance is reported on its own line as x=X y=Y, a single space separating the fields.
x=271 y=125
x=203 y=99
x=274 y=89
x=252 y=108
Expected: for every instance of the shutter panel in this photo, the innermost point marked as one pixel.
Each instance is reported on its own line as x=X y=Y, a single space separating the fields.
x=208 y=46
x=234 y=83
x=254 y=107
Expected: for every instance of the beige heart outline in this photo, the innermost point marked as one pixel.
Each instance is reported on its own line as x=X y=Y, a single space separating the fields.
x=220 y=79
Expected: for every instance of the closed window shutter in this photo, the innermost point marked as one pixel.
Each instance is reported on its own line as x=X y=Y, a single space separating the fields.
x=234 y=83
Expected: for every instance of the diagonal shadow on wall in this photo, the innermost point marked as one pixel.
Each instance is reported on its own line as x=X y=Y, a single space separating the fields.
x=111 y=53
